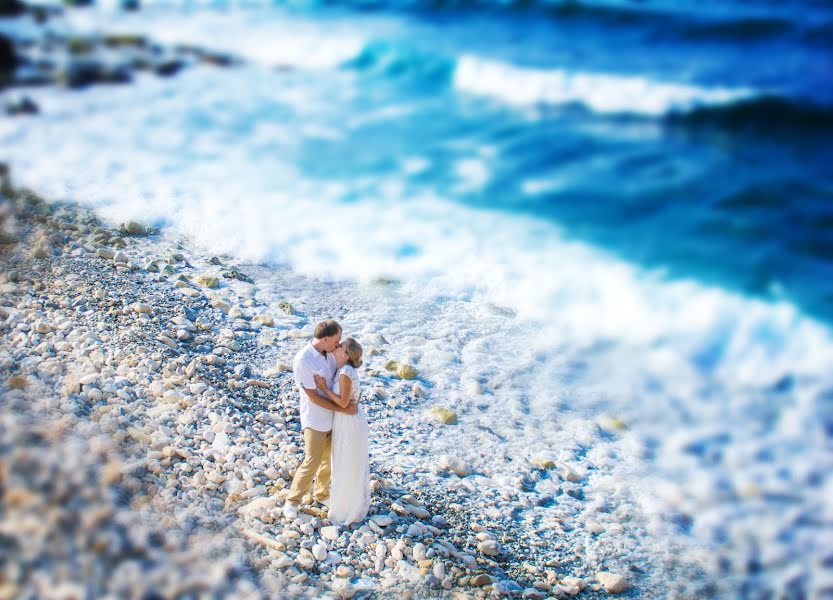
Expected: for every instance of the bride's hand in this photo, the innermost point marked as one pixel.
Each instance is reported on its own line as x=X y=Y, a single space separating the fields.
x=320 y=381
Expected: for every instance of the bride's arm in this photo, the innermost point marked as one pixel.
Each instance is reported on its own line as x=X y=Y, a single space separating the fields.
x=316 y=398
x=345 y=387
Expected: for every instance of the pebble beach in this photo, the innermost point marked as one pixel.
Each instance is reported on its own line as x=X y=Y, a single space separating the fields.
x=150 y=430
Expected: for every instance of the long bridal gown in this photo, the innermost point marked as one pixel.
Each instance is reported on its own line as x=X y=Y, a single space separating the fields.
x=350 y=480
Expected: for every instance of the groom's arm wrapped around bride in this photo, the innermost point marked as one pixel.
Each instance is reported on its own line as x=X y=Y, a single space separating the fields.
x=316 y=398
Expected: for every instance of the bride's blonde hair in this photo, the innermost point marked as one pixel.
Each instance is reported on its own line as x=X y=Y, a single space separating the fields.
x=354 y=352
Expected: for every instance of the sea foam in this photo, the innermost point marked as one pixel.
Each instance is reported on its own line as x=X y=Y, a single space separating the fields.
x=599 y=92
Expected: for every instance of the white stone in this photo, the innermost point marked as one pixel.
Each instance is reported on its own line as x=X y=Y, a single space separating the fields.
x=382 y=520
x=344 y=571
x=283 y=561
x=568 y=473
x=455 y=465
x=156 y=388
x=265 y=540
x=418 y=512
x=143 y=308
x=253 y=492
x=172 y=397
x=612 y=582
x=594 y=527
x=419 y=551
x=215 y=477
x=88 y=379
x=197 y=388
x=329 y=532
x=319 y=552
x=344 y=588
x=575 y=581
x=220 y=442
x=489 y=547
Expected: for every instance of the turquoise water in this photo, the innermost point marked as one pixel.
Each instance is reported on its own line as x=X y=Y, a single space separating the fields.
x=736 y=193
x=689 y=137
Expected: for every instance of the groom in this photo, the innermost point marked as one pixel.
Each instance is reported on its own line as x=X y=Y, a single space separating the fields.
x=316 y=415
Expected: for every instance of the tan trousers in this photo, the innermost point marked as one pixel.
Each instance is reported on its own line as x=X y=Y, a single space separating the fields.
x=316 y=466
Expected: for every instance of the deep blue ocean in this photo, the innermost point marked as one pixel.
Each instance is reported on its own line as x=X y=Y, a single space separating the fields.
x=737 y=194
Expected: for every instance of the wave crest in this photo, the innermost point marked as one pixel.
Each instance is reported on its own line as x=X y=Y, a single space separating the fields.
x=599 y=92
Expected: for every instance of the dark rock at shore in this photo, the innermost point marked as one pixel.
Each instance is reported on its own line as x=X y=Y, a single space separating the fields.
x=130 y=5
x=218 y=60
x=123 y=40
x=24 y=106
x=5 y=180
x=82 y=73
x=206 y=56
x=234 y=273
x=78 y=2
x=11 y=8
x=28 y=202
x=78 y=45
x=168 y=67
x=78 y=61
x=8 y=56
x=41 y=14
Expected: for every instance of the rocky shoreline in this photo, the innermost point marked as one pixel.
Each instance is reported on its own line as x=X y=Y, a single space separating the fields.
x=150 y=430
x=40 y=54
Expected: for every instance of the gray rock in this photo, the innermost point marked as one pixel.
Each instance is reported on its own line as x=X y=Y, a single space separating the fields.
x=489 y=548
x=85 y=72
x=134 y=228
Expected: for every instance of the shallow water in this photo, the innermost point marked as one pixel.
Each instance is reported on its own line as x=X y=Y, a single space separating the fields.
x=590 y=210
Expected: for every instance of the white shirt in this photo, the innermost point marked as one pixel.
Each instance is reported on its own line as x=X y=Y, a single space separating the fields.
x=307 y=363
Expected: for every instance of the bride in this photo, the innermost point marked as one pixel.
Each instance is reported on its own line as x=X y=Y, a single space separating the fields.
x=350 y=483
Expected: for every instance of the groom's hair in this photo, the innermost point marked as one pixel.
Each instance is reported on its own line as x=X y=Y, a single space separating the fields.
x=327 y=328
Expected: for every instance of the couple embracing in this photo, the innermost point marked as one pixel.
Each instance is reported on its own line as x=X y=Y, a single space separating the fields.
x=334 y=426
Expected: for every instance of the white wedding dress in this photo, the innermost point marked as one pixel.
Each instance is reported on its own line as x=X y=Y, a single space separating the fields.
x=350 y=480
